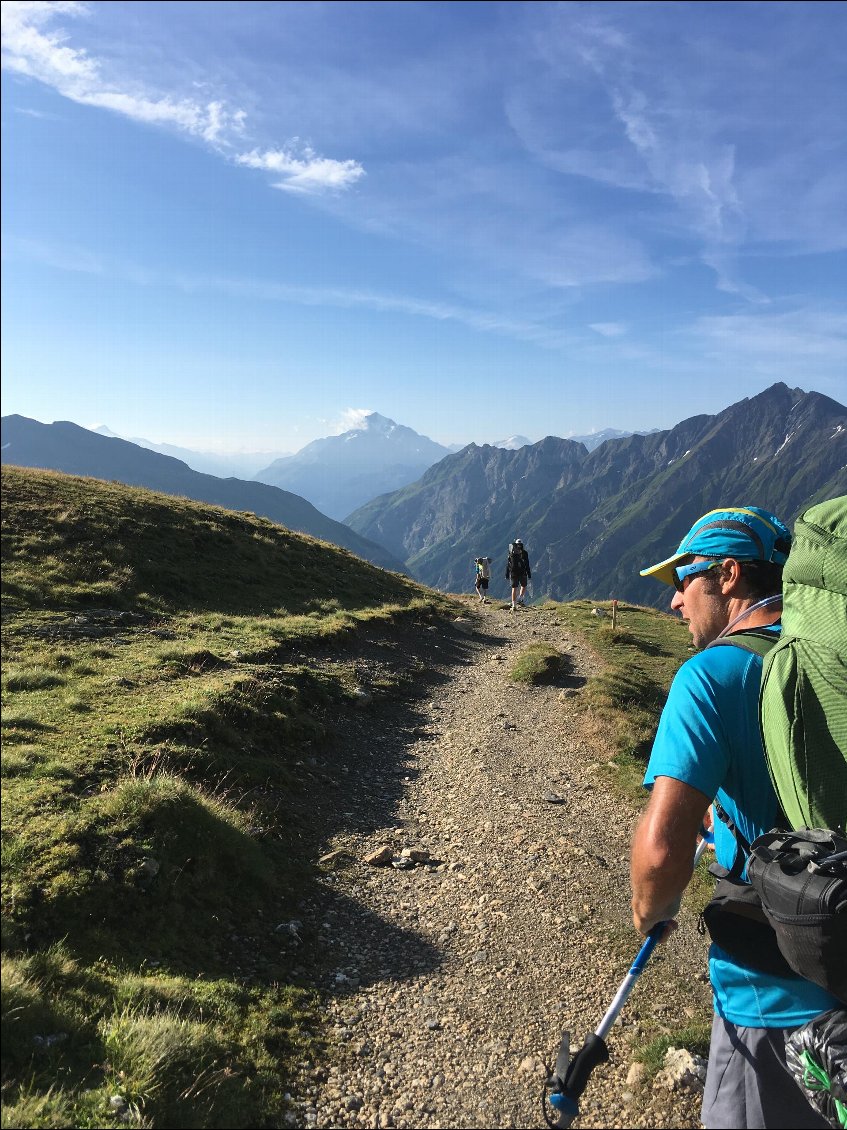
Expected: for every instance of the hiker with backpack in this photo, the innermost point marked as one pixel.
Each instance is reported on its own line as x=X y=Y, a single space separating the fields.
x=518 y=572
x=727 y=573
x=483 y=576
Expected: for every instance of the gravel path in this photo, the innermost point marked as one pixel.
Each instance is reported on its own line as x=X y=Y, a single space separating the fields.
x=448 y=984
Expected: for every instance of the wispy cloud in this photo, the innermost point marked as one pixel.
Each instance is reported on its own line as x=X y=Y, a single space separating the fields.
x=30 y=113
x=608 y=329
x=483 y=321
x=304 y=173
x=81 y=261
x=351 y=419
x=816 y=336
x=34 y=47
x=730 y=121
x=723 y=262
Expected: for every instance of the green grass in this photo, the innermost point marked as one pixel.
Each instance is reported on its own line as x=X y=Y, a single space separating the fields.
x=177 y=1051
x=160 y=717
x=638 y=659
x=158 y=707
x=695 y=1037
x=537 y=663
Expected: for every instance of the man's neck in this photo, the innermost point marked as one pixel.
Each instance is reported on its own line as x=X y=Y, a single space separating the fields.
x=744 y=614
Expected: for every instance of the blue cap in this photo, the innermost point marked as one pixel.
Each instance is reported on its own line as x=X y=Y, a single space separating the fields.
x=743 y=532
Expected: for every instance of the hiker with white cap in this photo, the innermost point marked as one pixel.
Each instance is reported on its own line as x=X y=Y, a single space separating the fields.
x=518 y=572
x=727 y=573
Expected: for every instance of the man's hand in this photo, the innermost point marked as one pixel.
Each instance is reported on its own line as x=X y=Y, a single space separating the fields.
x=663 y=851
x=707 y=829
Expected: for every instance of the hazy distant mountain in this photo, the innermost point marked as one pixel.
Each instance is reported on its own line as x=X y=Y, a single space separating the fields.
x=64 y=446
x=594 y=439
x=339 y=473
x=591 y=520
x=513 y=443
x=240 y=465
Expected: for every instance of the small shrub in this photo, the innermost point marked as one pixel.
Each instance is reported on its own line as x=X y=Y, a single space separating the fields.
x=538 y=663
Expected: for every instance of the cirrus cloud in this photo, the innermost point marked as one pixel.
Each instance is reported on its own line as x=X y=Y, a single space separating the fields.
x=34 y=47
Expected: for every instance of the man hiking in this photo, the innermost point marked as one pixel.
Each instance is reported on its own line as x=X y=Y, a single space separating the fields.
x=727 y=573
x=518 y=572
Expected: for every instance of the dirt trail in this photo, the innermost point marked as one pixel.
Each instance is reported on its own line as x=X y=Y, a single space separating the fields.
x=449 y=983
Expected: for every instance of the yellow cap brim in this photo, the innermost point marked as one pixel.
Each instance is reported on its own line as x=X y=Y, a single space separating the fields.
x=664 y=570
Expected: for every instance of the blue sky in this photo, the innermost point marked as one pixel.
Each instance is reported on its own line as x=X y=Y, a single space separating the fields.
x=232 y=225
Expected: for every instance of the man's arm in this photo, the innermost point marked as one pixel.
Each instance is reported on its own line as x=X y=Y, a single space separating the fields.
x=663 y=850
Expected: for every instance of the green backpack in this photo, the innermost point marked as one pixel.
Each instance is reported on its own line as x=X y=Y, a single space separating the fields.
x=803 y=700
x=793 y=915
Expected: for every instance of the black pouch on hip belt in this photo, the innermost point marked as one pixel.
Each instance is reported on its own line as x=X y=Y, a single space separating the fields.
x=735 y=918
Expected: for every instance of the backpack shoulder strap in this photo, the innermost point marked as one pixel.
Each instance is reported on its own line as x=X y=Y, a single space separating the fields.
x=742 y=846
x=759 y=641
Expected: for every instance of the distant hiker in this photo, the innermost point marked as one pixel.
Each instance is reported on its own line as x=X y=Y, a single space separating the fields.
x=727 y=573
x=483 y=576
x=518 y=571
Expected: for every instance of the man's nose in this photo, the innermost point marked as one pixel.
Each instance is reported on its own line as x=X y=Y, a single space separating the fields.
x=677 y=602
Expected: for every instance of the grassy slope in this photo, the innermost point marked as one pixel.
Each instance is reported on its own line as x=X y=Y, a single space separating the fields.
x=622 y=703
x=640 y=657
x=155 y=715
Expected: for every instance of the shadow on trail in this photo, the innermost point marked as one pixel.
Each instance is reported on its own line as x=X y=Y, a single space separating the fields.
x=367 y=769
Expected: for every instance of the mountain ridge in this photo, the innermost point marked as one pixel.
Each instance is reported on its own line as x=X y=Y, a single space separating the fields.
x=224 y=465
x=591 y=520
x=65 y=446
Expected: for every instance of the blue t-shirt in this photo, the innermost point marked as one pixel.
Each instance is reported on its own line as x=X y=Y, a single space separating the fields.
x=708 y=737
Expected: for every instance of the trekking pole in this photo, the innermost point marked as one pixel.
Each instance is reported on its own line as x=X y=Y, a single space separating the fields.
x=569 y=1078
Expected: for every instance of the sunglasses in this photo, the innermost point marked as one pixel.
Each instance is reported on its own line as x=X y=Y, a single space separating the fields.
x=682 y=573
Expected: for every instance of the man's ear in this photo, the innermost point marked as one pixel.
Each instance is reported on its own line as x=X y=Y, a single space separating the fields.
x=731 y=576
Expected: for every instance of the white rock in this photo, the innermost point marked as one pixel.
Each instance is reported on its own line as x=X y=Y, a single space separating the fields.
x=635 y=1074
x=682 y=1071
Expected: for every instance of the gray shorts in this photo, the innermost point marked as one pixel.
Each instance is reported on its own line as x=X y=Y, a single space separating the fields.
x=748 y=1086
x=519 y=581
